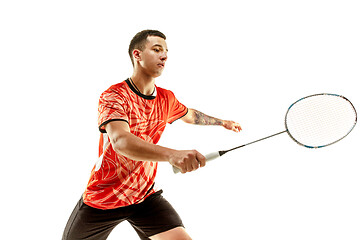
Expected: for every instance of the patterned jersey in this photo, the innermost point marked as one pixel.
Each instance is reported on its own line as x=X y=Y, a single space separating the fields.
x=116 y=180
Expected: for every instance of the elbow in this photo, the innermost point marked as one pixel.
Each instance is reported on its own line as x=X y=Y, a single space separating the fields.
x=119 y=144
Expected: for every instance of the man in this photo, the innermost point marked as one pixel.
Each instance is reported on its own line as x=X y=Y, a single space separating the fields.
x=132 y=117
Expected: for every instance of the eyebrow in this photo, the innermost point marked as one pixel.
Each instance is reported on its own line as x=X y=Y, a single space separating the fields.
x=158 y=45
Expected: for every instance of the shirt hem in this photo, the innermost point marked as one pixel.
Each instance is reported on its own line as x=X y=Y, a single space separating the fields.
x=88 y=203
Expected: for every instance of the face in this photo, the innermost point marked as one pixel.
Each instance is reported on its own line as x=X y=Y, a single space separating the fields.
x=152 y=59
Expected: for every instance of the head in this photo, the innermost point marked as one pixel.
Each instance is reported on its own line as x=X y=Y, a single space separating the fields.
x=140 y=39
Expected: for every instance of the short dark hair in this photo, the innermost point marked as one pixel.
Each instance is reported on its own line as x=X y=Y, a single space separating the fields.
x=139 y=41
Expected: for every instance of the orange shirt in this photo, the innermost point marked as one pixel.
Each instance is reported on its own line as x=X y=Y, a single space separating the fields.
x=116 y=180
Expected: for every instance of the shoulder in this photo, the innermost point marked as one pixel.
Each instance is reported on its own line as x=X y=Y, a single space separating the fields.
x=119 y=87
x=162 y=92
x=119 y=90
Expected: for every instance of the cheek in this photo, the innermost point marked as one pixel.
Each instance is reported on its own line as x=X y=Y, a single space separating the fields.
x=148 y=61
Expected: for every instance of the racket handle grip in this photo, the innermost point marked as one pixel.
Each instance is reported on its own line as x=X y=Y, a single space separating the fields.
x=209 y=157
x=212 y=156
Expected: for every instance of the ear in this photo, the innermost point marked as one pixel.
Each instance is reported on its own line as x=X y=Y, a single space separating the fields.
x=136 y=54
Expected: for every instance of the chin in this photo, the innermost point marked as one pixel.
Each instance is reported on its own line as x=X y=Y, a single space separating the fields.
x=157 y=74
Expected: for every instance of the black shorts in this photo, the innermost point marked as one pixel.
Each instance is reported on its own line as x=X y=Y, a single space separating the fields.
x=154 y=215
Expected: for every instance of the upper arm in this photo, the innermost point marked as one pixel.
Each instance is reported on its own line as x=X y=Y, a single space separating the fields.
x=189 y=117
x=116 y=130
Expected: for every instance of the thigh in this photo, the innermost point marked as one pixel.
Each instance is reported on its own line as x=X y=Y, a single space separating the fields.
x=155 y=215
x=90 y=223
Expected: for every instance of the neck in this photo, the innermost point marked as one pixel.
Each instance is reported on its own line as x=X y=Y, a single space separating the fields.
x=145 y=84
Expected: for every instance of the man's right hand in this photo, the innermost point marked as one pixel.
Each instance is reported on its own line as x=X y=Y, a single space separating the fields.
x=187 y=160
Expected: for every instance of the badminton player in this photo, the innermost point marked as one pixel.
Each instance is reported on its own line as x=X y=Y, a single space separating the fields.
x=132 y=117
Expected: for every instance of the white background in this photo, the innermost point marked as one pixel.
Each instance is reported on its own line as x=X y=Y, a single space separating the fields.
x=241 y=60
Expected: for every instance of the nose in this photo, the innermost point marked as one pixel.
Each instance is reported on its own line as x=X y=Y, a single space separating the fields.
x=163 y=56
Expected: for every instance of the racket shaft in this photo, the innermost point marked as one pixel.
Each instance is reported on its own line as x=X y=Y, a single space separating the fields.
x=215 y=155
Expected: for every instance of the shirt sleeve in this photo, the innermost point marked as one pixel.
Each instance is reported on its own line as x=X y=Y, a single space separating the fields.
x=111 y=108
x=176 y=109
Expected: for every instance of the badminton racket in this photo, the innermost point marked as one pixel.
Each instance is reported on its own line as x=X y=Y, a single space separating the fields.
x=314 y=121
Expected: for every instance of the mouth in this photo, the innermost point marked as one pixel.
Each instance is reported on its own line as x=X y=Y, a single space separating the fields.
x=162 y=65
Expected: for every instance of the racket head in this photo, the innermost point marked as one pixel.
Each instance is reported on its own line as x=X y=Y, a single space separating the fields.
x=320 y=120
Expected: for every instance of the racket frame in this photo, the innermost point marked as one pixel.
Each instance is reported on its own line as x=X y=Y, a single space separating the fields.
x=313 y=95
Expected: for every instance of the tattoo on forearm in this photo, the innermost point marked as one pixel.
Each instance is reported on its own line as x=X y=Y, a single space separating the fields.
x=203 y=119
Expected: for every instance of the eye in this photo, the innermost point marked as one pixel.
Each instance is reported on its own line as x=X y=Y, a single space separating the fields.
x=156 y=50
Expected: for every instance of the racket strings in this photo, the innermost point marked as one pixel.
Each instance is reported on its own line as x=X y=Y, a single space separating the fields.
x=320 y=120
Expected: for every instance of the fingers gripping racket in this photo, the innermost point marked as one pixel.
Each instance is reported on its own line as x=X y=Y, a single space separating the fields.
x=314 y=121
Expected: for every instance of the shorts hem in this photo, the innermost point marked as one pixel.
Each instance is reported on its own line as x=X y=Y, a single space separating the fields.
x=165 y=229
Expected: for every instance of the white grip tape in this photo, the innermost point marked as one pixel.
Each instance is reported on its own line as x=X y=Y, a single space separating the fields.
x=212 y=156
x=209 y=157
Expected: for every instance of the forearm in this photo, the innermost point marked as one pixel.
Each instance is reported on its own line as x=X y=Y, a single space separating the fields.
x=196 y=117
x=137 y=149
